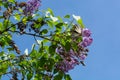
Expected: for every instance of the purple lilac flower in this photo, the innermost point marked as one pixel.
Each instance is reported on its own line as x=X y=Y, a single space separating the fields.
x=86 y=32
x=31 y=6
x=71 y=52
x=86 y=41
x=72 y=58
x=82 y=57
x=69 y=60
x=67 y=65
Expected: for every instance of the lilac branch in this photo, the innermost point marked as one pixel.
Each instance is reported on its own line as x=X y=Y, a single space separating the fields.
x=35 y=35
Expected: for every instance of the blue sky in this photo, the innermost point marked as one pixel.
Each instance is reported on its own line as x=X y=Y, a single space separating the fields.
x=102 y=17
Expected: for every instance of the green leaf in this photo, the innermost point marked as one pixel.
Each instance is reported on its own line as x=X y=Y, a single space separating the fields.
x=79 y=39
x=29 y=76
x=29 y=17
x=1 y=53
x=62 y=41
x=5 y=5
x=38 y=77
x=10 y=49
x=74 y=46
x=21 y=10
x=55 y=71
x=33 y=54
x=51 y=12
x=67 y=77
x=67 y=16
x=13 y=28
x=59 y=76
x=1 y=3
x=1 y=17
x=6 y=23
x=42 y=61
x=37 y=25
x=1 y=25
x=40 y=19
x=60 y=19
x=81 y=23
x=24 y=20
x=44 y=31
x=12 y=56
x=12 y=1
x=33 y=47
x=67 y=46
x=2 y=42
x=3 y=67
x=52 y=49
x=59 y=25
x=50 y=24
x=17 y=17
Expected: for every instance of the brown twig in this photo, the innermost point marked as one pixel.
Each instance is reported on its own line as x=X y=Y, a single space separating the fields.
x=35 y=35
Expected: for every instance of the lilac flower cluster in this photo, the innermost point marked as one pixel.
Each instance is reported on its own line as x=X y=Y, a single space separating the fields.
x=72 y=57
x=66 y=65
x=86 y=36
x=31 y=6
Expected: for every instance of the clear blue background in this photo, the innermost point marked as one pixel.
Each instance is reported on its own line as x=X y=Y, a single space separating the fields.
x=102 y=17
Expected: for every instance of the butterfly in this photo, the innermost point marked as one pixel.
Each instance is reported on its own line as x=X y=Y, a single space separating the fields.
x=76 y=31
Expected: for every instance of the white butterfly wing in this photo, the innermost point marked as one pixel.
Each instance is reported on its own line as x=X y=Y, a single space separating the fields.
x=78 y=29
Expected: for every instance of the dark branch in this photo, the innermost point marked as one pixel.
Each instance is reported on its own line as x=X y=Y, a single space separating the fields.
x=34 y=35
